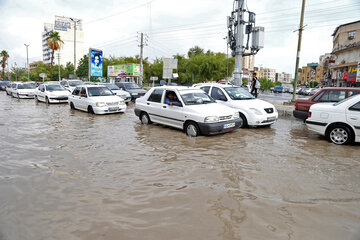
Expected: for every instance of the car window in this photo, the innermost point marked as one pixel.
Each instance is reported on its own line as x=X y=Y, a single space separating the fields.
x=352 y=93
x=206 y=89
x=76 y=91
x=238 y=93
x=196 y=98
x=83 y=92
x=156 y=95
x=355 y=107
x=315 y=99
x=217 y=94
x=99 y=91
x=333 y=96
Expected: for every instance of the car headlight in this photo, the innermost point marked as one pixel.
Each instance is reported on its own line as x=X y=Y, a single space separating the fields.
x=256 y=111
x=122 y=102
x=100 y=104
x=211 y=119
x=275 y=110
x=236 y=115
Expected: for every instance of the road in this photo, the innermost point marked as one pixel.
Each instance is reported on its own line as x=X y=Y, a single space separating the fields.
x=66 y=174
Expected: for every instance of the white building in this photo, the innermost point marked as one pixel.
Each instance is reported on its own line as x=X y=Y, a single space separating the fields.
x=65 y=27
x=284 y=77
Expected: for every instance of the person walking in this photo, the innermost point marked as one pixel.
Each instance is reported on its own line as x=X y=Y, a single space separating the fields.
x=255 y=85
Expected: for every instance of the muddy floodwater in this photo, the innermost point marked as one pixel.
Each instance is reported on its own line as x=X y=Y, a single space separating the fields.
x=66 y=174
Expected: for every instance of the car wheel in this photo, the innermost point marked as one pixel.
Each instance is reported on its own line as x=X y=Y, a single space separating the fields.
x=145 y=119
x=36 y=98
x=340 y=135
x=192 y=129
x=47 y=100
x=90 y=110
x=72 y=106
x=244 y=123
x=17 y=96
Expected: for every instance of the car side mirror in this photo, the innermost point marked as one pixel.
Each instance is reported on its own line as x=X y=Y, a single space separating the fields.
x=222 y=98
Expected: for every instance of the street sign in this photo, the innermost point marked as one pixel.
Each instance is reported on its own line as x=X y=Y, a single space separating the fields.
x=167 y=73
x=42 y=75
x=358 y=73
x=154 y=78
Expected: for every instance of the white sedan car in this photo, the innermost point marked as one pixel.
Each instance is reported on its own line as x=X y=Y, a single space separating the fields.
x=51 y=92
x=118 y=91
x=189 y=109
x=339 y=122
x=24 y=90
x=253 y=111
x=96 y=99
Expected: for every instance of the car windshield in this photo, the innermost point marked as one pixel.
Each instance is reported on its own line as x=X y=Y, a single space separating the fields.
x=75 y=83
x=345 y=100
x=112 y=86
x=131 y=86
x=196 y=98
x=99 y=91
x=26 y=86
x=237 y=93
x=55 y=87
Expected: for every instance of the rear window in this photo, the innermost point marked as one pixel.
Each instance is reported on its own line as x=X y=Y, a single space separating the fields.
x=156 y=95
x=333 y=96
x=352 y=93
x=315 y=99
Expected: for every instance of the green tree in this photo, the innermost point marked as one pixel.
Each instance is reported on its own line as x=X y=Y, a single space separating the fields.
x=82 y=70
x=194 y=51
x=54 y=41
x=17 y=73
x=4 y=57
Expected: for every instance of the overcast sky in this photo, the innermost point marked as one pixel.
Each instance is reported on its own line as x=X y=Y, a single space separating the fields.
x=174 y=26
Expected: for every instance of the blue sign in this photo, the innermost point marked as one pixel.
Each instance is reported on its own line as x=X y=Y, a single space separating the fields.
x=96 y=63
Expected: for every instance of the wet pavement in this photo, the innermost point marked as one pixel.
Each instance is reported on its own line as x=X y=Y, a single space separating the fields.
x=279 y=97
x=66 y=174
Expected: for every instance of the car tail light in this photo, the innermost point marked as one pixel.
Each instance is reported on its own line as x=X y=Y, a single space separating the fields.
x=309 y=115
x=296 y=106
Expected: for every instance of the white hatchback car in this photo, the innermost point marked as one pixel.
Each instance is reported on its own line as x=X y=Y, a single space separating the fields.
x=24 y=90
x=339 y=122
x=189 y=109
x=96 y=99
x=253 y=111
x=70 y=85
x=51 y=92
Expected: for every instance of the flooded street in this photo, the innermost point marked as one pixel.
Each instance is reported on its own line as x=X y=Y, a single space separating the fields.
x=66 y=174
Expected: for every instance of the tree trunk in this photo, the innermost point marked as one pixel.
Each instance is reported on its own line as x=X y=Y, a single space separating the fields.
x=51 y=64
x=3 y=72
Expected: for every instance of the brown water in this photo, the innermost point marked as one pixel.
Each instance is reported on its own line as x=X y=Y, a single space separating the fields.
x=70 y=175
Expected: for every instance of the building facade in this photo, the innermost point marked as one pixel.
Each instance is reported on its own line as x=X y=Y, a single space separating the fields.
x=346 y=54
x=34 y=65
x=284 y=77
x=308 y=74
x=65 y=26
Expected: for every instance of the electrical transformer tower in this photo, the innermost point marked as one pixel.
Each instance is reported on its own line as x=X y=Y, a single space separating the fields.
x=236 y=34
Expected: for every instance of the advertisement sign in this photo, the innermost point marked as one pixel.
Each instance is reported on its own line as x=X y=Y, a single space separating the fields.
x=358 y=73
x=351 y=74
x=62 y=24
x=129 y=69
x=95 y=62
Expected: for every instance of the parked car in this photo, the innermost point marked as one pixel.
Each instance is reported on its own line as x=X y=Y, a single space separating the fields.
x=10 y=88
x=51 y=92
x=331 y=95
x=253 y=111
x=132 y=88
x=339 y=122
x=117 y=91
x=3 y=85
x=278 y=89
x=24 y=90
x=71 y=84
x=302 y=91
x=195 y=112
x=96 y=99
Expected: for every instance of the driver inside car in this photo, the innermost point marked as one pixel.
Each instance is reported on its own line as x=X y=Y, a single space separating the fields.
x=171 y=99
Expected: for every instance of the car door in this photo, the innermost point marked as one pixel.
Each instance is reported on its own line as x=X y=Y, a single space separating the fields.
x=173 y=115
x=83 y=99
x=41 y=95
x=74 y=97
x=153 y=105
x=353 y=116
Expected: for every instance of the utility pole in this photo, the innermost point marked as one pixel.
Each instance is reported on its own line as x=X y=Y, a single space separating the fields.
x=239 y=42
x=227 y=58
x=141 y=58
x=27 y=60
x=298 y=51
x=74 y=21
x=58 y=55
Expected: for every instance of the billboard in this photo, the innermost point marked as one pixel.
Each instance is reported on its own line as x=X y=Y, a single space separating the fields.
x=95 y=62
x=130 y=69
x=62 y=24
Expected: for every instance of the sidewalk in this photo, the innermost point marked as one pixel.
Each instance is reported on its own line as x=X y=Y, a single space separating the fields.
x=284 y=110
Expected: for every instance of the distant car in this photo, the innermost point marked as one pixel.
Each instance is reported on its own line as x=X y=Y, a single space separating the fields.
x=51 y=92
x=71 y=84
x=96 y=99
x=194 y=111
x=24 y=90
x=115 y=89
x=278 y=89
x=3 y=85
x=10 y=87
x=307 y=91
x=324 y=95
x=132 y=88
x=339 y=122
x=253 y=111
x=89 y=83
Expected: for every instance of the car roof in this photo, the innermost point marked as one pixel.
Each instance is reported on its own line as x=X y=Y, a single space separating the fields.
x=179 y=88
x=215 y=85
x=342 y=88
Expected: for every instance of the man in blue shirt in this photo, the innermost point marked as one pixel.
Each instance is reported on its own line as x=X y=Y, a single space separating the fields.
x=171 y=98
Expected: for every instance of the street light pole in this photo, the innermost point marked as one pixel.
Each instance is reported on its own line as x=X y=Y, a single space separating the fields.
x=27 y=60
x=74 y=21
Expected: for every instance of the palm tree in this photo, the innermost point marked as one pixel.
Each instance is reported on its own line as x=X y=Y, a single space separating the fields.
x=54 y=42
x=4 y=55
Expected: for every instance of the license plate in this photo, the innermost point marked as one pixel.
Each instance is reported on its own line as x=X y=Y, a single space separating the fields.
x=271 y=118
x=228 y=125
x=113 y=108
x=135 y=94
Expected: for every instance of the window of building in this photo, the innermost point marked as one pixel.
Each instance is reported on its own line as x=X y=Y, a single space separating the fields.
x=351 y=35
